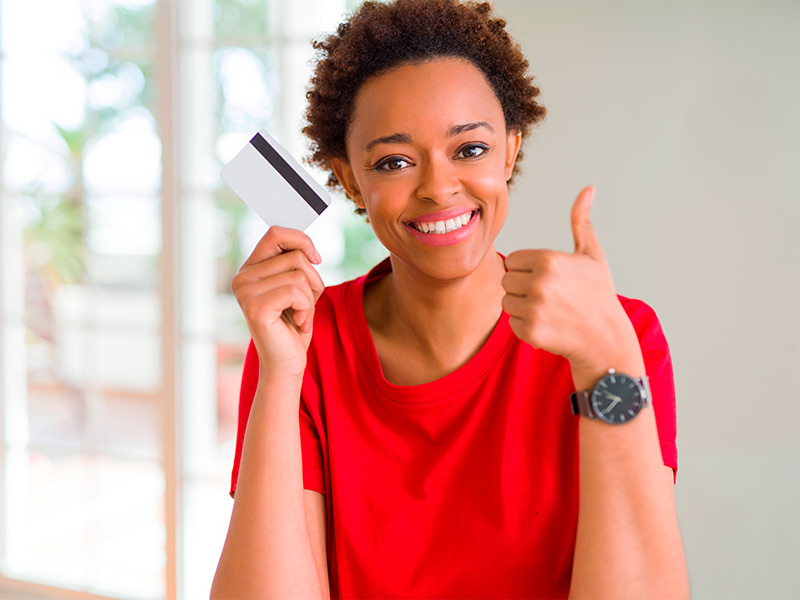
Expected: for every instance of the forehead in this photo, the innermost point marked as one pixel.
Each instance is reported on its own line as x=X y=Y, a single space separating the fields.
x=426 y=97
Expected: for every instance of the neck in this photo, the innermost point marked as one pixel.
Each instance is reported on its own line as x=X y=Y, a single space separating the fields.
x=445 y=322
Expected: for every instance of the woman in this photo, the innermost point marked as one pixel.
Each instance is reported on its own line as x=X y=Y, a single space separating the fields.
x=437 y=454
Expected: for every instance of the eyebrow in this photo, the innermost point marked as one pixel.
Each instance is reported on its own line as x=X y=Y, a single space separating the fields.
x=405 y=138
x=456 y=129
x=396 y=138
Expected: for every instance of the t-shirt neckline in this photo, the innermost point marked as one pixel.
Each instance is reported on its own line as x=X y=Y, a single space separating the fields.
x=425 y=393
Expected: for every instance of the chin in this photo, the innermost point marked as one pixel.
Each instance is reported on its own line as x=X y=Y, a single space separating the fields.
x=445 y=264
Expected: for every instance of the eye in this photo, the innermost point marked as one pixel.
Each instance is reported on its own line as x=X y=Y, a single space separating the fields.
x=392 y=163
x=472 y=151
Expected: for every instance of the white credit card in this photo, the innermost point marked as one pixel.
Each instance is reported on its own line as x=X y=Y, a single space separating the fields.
x=273 y=184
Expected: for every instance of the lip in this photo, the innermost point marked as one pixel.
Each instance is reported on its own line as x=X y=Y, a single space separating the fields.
x=438 y=240
x=443 y=215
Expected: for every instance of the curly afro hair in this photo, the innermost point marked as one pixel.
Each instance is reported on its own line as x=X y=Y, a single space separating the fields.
x=381 y=36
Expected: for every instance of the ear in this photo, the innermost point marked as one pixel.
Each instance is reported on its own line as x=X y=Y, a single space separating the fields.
x=341 y=168
x=513 y=143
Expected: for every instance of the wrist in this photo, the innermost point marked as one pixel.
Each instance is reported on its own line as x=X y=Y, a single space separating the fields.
x=280 y=375
x=624 y=355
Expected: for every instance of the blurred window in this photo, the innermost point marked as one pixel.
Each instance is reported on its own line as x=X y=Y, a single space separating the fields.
x=87 y=493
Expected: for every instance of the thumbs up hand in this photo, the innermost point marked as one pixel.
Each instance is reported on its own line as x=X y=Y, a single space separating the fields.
x=565 y=303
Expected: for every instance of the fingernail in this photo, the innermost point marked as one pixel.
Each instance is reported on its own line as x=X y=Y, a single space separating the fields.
x=317 y=257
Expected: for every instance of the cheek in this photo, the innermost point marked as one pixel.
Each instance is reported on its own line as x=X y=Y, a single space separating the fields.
x=494 y=189
x=492 y=174
x=384 y=204
x=382 y=201
x=501 y=211
x=490 y=184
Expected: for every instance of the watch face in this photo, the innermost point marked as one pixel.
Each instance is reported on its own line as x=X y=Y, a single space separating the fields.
x=616 y=398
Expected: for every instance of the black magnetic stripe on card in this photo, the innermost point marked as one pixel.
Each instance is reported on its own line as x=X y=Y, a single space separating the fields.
x=288 y=173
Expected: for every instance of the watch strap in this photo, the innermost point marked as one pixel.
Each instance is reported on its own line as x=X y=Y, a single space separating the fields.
x=645 y=383
x=579 y=402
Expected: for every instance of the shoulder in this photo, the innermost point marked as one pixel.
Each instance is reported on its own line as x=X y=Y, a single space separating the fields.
x=334 y=300
x=334 y=314
x=653 y=342
x=332 y=296
x=641 y=314
x=338 y=299
x=637 y=310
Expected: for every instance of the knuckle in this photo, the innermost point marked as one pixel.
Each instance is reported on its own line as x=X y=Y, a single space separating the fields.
x=548 y=261
x=541 y=291
x=297 y=277
x=506 y=304
x=276 y=236
x=523 y=329
x=530 y=285
x=241 y=295
x=270 y=237
x=517 y=259
x=237 y=282
x=293 y=285
x=299 y=259
x=528 y=314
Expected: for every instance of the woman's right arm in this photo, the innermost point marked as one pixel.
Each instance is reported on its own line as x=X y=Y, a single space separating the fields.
x=268 y=551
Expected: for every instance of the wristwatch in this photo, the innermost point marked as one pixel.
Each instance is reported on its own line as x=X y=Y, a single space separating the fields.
x=616 y=399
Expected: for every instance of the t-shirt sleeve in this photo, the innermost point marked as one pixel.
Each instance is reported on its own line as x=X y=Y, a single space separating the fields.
x=312 y=434
x=309 y=438
x=658 y=365
x=247 y=392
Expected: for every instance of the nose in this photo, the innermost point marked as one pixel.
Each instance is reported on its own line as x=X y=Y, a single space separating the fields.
x=438 y=180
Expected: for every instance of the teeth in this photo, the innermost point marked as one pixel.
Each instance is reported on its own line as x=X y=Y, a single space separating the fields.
x=444 y=226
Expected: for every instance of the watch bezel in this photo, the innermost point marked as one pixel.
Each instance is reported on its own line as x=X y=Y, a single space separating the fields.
x=613 y=376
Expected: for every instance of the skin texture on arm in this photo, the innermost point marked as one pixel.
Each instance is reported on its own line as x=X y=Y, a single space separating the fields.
x=628 y=543
x=272 y=549
x=318 y=535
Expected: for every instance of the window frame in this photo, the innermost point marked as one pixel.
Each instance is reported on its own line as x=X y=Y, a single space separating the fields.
x=180 y=29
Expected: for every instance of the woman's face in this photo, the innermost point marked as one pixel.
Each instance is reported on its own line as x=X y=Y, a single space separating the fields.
x=429 y=158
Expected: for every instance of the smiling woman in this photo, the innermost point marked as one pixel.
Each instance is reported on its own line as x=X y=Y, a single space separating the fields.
x=438 y=166
x=441 y=395
x=426 y=30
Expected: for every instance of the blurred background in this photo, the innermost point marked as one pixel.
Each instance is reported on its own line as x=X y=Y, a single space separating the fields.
x=121 y=345
x=122 y=342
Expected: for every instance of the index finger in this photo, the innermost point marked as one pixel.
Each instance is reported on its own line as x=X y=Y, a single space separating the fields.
x=278 y=240
x=521 y=260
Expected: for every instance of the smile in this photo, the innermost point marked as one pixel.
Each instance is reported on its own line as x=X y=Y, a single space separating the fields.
x=445 y=226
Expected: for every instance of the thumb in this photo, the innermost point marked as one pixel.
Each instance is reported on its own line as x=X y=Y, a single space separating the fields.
x=582 y=229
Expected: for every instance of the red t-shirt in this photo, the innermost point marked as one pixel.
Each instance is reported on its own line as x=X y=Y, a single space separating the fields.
x=464 y=487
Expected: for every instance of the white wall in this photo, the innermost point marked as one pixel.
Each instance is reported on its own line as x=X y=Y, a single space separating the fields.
x=685 y=115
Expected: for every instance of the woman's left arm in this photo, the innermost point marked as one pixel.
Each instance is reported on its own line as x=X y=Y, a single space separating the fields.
x=628 y=542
